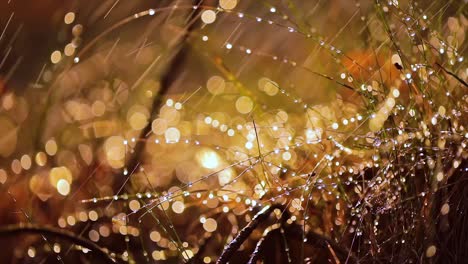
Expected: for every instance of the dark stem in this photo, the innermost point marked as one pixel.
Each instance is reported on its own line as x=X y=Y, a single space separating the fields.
x=313 y=239
x=232 y=247
x=260 y=246
x=452 y=74
x=292 y=231
x=317 y=240
x=11 y=230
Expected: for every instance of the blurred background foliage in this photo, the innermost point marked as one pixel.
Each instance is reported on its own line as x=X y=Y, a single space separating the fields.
x=158 y=129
